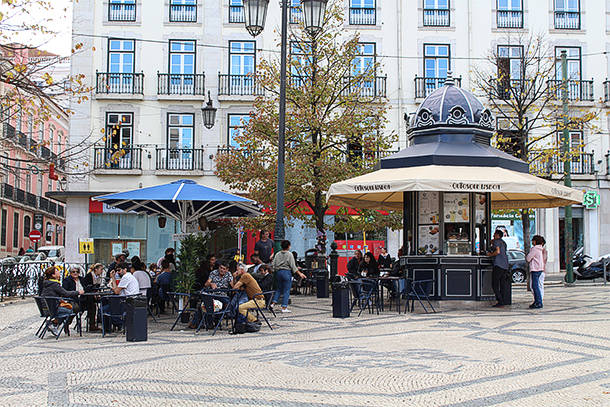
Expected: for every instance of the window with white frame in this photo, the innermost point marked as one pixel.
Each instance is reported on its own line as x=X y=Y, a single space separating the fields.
x=121 y=10
x=121 y=60
x=436 y=13
x=119 y=130
x=301 y=56
x=183 y=11
x=362 y=12
x=296 y=12
x=567 y=14
x=237 y=124
x=509 y=14
x=242 y=64
x=236 y=11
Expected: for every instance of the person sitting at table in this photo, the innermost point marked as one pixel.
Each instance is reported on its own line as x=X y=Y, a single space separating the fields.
x=353 y=265
x=250 y=286
x=144 y=281
x=220 y=278
x=368 y=267
x=266 y=278
x=397 y=269
x=90 y=282
x=257 y=263
x=128 y=285
x=384 y=261
x=163 y=280
x=73 y=282
x=52 y=288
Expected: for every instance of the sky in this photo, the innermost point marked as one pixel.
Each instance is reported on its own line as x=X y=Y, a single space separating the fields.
x=60 y=22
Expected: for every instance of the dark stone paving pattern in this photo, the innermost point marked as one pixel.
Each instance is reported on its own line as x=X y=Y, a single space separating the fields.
x=466 y=356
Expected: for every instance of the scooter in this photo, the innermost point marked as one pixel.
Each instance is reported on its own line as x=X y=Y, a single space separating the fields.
x=592 y=271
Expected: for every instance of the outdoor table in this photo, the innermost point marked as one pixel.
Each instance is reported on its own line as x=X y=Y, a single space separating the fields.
x=230 y=292
x=380 y=286
x=96 y=297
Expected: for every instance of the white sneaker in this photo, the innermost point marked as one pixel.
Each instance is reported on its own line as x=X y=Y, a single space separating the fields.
x=54 y=329
x=272 y=305
x=285 y=310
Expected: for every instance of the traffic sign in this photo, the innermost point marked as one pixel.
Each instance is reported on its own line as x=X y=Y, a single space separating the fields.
x=85 y=246
x=35 y=236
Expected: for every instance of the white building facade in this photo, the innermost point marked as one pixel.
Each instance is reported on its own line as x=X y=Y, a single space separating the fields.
x=151 y=65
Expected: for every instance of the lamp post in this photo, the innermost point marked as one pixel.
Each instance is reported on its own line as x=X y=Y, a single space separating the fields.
x=255 y=13
x=209 y=113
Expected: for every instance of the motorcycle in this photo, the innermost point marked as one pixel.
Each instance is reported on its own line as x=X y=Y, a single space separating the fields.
x=594 y=270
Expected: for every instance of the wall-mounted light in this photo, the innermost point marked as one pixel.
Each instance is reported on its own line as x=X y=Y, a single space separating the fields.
x=161 y=220
x=209 y=113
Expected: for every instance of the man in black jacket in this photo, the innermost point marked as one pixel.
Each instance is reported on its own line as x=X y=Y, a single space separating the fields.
x=353 y=266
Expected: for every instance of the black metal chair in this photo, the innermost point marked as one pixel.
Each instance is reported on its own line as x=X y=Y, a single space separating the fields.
x=53 y=305
x=150 y=293
x=259 y=310
x=44 y=313
x=420 y=290
x=113 y=308
x=210 y=315
x=186 y=305
x=365 y=294
x=401 y=290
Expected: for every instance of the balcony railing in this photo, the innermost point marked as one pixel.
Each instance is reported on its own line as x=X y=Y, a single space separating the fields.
x=243 y=152
x=121 y=12
x=30 y=199
x=43 y=203
x=577 y=90
x=45 y=152
x=367 y=88
x=606 y=91
x=296 y=14
x=20 y=195
x=425 y=86
x=130 y=83
x=436 y=18
x=362 y=16
x=180 y=159
x=8 y=191
x=236 y=14
x=180 y=84
x=52 y=207
x=239 y=85
x=509 y=19
x=60 y=211
x=581 y=165
x=565 y=20
x=128 y=158
x=8 y=131
x=183 y=13
x=22 y=139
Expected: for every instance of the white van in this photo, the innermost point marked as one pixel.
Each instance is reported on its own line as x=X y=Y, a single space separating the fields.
x=53 y=253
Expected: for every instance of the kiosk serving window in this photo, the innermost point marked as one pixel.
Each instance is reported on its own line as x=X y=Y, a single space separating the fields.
x=428 y=223
x=456 y=218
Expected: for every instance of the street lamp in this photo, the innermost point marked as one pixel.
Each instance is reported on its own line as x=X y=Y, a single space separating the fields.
x=209 y=113
x=255 y=14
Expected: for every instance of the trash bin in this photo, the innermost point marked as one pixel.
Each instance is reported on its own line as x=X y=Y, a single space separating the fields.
x=507 y=289
x=322 y=283
x=339 y=285
x=136 y=322
x=311 y=259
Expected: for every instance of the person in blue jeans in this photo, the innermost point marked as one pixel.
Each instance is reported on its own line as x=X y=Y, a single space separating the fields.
x=283 y=265
x=537 y=258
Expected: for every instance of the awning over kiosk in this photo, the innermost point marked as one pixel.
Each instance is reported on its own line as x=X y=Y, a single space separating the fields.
x=383 y=189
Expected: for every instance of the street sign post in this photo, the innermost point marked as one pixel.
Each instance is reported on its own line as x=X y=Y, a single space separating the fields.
x=85 y=246
x=35 y=236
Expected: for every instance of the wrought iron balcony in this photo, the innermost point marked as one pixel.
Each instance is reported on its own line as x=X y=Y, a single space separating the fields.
x=236 y=150
x=45 y=152
x=183 y=13
x=22 y=139
x=52 y=207
x=424 y=86
x=8 y=132
x=362 y=16
x=20 y=195
x=367 y=88
x=125 y=83
x=236 y=14
x=61 y=211
x=509 y=19
x=436 y=18
x=8 y=191
x=180 y=159
x=128 y=158
x=180 y=84
x=578 y=90
x=606 y=91
x=43 y=203
x=553 y=165
x=30 y=199
x=565 y=20
x=121 y=11
x=239 y=85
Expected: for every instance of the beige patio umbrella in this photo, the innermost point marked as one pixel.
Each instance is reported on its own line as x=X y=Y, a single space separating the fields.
x=383 y=189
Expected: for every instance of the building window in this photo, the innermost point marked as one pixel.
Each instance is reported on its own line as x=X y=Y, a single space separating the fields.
x=436 y=61
x=237 y=124
x=301 y=55
x=183 y=11
x=510 y=69
x=26 y=225
x=436 y=13
x=572 y=60
x=41 y=131
x=236 y=11
x=364 y=64
x=3 y=228
x=18 y=175
x=567 y=14
x=121 y=10
x=119 y=130
x=180 y=131
x=362 y=12
x=121 y=57
x=15 y=229
x=51 y=137
x=49 y=232
x=181 y=67
x=60 y=139
x=296 y=12
x=509 y=14
x=242 y=63
x=28 y=182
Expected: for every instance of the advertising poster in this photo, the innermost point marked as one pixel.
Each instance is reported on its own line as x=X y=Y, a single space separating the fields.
x=428 y=208
x=428 y=238
x=456 y=208
x=134 y=248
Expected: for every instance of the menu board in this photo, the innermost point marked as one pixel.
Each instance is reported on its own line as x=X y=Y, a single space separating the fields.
x=456 y=208
x=479 y=208
x=428 y=208
x=428 y=239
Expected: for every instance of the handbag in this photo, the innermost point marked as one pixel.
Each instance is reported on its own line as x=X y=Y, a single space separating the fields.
x=65 y=304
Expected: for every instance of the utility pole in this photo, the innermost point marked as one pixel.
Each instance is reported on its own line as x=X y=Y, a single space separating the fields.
x=567 y=181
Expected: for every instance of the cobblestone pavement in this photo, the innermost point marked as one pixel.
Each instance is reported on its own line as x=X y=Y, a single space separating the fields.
x=466 y=355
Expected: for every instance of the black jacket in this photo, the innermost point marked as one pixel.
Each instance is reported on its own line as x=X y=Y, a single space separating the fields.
x=53 y=289
x=69 y=284
x=266 y=283
x=87 y=282
x=353 y=267
x=384 y=262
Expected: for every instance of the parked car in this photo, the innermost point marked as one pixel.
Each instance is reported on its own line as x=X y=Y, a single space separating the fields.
x=53 y=253
x=517 y=265
x=9 y=261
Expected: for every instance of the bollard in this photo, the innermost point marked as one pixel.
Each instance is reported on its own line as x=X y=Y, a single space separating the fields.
x=334 y=259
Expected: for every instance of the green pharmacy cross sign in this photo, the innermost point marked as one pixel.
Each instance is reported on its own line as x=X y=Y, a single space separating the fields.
x=591 y=200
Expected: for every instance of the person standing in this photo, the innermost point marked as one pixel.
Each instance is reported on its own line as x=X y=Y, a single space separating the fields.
x=537 y=259
x=264 y=247
x=284 y=265
x=384 y=261
x=500 y=269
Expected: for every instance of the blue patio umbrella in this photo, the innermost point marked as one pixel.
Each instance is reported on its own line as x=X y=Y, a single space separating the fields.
x=183 y=200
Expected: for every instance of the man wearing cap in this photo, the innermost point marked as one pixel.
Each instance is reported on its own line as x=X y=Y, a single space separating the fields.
x=118 y=258
x=127 y=286
x=250 y=286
